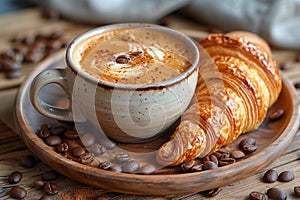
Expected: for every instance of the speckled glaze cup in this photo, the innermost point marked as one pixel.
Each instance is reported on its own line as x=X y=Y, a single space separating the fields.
x=129 y=113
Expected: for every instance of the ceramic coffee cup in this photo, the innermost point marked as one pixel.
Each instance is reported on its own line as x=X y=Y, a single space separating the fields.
x=130 y=81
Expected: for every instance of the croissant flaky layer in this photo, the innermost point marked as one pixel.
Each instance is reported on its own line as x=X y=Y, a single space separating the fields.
x=238 y=82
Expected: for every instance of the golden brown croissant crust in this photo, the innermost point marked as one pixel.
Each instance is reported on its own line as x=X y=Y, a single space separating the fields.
x=238 y=82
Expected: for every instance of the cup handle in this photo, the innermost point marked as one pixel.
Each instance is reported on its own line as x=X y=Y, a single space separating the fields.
x=57 y=76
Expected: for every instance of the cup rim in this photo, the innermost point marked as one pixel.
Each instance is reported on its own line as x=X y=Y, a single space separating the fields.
x=102 y=29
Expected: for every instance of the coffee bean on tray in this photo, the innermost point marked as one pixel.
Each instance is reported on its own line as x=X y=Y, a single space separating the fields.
x=237 y=154
x=286 y=176
x=53 y=140
x=276 y=194
x=88 y=139
x=207 y=165
x=249 y=148
x=258 y=196
x=105 y=165
x=122 y=158
x=78 y=151
x=86 y=158
x=62 y=147
x=15 y=177
x=71 y=135
x=97 y=149
x=276 y=115
x=187 y=165
x=270 y=176
x=18 y=192
x=131 y=166
x=248 y=140
x=147 y=169
x=58 y=130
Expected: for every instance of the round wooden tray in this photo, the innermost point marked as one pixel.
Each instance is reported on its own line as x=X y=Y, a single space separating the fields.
x=272 y=139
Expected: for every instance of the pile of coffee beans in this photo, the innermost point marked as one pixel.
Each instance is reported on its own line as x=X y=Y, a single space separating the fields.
x=29 y=49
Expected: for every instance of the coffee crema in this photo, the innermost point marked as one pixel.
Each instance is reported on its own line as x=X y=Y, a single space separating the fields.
x=133 y=56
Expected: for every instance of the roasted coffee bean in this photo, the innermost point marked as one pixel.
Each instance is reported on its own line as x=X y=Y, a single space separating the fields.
x=51 y=188
x=78 y=151
x=38 y=184
x=46 y=126
x=258 y=196
x=13 y=74
x=270 y=176
x=46 y=197
x=276 y=115
x=218 y=154
x=197 y=167
x=97 y=149
x=15 y=177
x=147 y=169
x=237 y=154
x=214 y=159
x=105 y=165
x=49 y=175
x=3 y=191
x=53 y=44
x=130 y=167
x=86 y=158
x=88 y=139
x=44 y=133
x=8 y=65
x=32 y=57
x=108 y=144
x=285 y=66
x=137 y=53
x=62 y=147
x=226 y=161
x=28 y=161
x=122 y=59
x=297 y=191
x=286 y=176
x=116 y=168
x=297 y=85
x=213 y=192
x=276 y=194
x=247 y=141
x=38 y=47
x=56 y=34
x=187 y=165
x=18 y=192
x=28 y=40
x=71 y=135
x=249 y=148
x=53 y=140
x=58 y=130
x=207 y=165
x=122 y=158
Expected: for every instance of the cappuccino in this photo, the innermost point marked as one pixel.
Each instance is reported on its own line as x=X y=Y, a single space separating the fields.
x=133 y=56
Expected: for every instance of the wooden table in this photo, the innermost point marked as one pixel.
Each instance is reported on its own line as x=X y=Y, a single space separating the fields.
x=12 y=147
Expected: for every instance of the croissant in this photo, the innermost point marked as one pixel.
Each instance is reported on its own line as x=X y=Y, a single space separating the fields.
x=238 y=81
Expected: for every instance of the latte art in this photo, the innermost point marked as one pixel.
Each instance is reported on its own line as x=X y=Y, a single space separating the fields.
x=134 y=56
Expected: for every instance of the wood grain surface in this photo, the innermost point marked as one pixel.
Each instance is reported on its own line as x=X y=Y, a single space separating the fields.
x=12 y=148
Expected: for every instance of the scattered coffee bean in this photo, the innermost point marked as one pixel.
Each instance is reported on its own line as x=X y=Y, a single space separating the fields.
x=276 y=194
x=59 y=130
x=249 y=148
x=86 y=158
x=88 y=139
x=18 y=192
x=237 y=154
x=105 y=165
x=297 y=85
x=3 y=191
x=116 y=168
x=285 y=66
x=46 y=197
x=13 y=74
x=226 y=161
x=130 y=167
x=122 y=59
x=286 y=176
x=147 y=169
x=28 y=161
x=56 y=34
x=54 y=45
x=297 y=191
x=246 y=141
x=213 y=192
x=187 y=165
x=9 y=65
x=97 y=149
x=214 y=159
x=71 y=135
x=62 y=147
x=122 y=158
x=53 y=140
x=270 y=176
x=51 y=188
x=78 y=151
x=276 y=115
x=207 y=165
x=38 y=184
x=258 y=196
x=15 y=177
x=49 y=175
x=298 y=57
